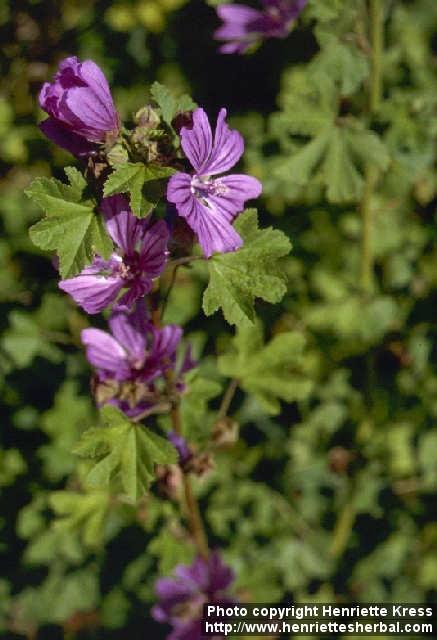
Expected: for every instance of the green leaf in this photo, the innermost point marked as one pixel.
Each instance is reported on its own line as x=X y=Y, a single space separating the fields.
x=347 y=317
x=72 y=410
x=114 y=610
x=427 y=451
x=53 y=195
x=336 y=157
x=72 y=227
x=124 y=453
x=169 y=551
x=130 y=178
x=269 y=372
x=47 y=543
x=341 y=65
x=61 y=597
x=198 y=392
x=338 y=147
x=237 y=278
x=25 y=339
x=169 y=105
x=324 y=11
x=81 y=511
x=12 y=465
x=342 y=180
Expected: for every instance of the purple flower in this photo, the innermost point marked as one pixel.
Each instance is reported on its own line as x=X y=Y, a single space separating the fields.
x=80 y=106
x=208 y=204
x=243 y=26
x=140 y=257
x=181 y=446
x=130 y=358
x=182 y=597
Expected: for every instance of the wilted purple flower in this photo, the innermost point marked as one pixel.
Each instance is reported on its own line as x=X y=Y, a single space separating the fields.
x=208 y=204
x=182 y=597
x=140 y=257
x=243 y=26
x=130 y=358
x=80 y=106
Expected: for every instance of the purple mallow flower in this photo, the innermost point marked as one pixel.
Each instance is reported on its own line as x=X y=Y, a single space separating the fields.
x=140 y=257
x=130 y=358
x=80 y=106
x=243 y=26
x=209 y=204
x=182 y=597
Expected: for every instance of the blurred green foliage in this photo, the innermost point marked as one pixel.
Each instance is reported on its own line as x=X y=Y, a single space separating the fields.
x=328 y=492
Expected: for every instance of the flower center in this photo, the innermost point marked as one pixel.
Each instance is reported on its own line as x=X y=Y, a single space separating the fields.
x=131 y=266
x=202 y=187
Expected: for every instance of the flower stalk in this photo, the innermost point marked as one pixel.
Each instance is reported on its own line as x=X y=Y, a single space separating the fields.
x=193 y=512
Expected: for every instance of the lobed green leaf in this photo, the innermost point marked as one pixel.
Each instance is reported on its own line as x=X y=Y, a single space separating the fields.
x=71 y=227
x=237 y=278
x=124 y=453
x=130 y=178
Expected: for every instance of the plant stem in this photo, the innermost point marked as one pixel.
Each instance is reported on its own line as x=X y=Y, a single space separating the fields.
x=371 y=174
x=185 y=260
x=346 y=519
x=192 y=506
x=376 y=39
x=227 y=399
x=196 y=524
x=179 y=262
x=343 y=528
x=169 y=289
x=367 y=259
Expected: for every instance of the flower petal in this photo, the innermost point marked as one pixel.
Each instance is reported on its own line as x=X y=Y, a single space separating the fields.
x=123 y=227
x=197 y=140
x=137 y=289
x=234 y=47
x=104 y=352
x=239 y=188
x=179 y=188
x=66 y=139
x=214 y=231
x=221 y=576
x=92 y=291
x=129 y=329
x=79 y=97
x=153 y=251
x=233 y=191
x=237 y=27
x=237 y=14
x=95 y=79
x=166 y=341
x=84 y=113
x=212 y=223
x=227 y=149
